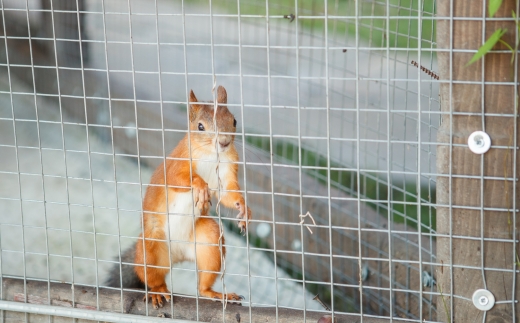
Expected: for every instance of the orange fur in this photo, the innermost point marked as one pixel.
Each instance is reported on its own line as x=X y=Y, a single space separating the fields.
x=160 y=195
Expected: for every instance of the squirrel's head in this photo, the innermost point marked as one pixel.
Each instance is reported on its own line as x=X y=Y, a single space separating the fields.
x=202 y=121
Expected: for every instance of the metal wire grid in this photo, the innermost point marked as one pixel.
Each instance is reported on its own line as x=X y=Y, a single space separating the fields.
x=310 y=69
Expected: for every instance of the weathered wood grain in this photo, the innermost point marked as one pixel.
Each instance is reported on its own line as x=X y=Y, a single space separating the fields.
x=461 y=192
x=109 y=300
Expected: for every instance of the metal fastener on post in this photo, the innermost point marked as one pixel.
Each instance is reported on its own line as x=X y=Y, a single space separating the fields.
x=479 y=142
x=427 y=279
x=483 y=299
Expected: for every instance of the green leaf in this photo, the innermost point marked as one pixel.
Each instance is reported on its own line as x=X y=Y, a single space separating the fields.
x=516 y=20
x=506 y=44
x=493 y=7
x=484 y=49
x=513 y=51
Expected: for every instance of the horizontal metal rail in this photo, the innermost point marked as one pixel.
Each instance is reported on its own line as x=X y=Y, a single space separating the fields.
x=80 y=313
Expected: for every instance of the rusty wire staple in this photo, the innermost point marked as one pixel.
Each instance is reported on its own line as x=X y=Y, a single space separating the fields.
x=425 y=70
x=302 y=221
x=318 y=299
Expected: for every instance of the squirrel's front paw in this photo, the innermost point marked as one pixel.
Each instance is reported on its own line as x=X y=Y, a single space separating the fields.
x=241 y=207
x=201 y=196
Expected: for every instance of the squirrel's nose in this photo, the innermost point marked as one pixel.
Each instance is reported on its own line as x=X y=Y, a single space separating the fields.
x=224 y=144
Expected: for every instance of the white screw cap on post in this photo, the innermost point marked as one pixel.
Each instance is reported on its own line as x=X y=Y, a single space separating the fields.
x=479 y=142
x=483 y=299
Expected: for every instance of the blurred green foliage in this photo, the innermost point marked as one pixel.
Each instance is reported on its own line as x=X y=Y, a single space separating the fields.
x=401 y=197
x=392 y=23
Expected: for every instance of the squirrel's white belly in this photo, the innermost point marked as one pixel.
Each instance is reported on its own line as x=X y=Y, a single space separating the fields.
x=182 y=213
x=208 y=171
x=181 y=217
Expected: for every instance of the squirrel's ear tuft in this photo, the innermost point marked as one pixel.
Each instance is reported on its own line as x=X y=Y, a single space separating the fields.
x=193 y=108
x=193 y=98
x=221 y=95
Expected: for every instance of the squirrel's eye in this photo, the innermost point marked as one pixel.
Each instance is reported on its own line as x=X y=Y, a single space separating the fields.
x=234 y=123
x=201 y=127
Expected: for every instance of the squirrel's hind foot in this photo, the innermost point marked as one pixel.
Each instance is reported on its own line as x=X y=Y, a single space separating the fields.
x=157 y=299
x=229 y=297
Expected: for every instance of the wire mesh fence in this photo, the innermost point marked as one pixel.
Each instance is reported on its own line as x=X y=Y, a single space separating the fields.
x=342 y=141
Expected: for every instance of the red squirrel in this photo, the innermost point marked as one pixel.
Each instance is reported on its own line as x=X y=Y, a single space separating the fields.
x=190 y=188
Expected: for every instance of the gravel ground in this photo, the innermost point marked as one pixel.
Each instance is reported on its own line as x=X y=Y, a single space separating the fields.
x=63 y=214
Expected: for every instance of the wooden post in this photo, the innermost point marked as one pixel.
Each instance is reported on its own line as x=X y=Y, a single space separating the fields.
x=130 y=302
x=475 y=208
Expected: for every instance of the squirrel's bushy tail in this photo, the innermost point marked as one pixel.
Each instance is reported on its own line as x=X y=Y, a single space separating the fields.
x=130 y=279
